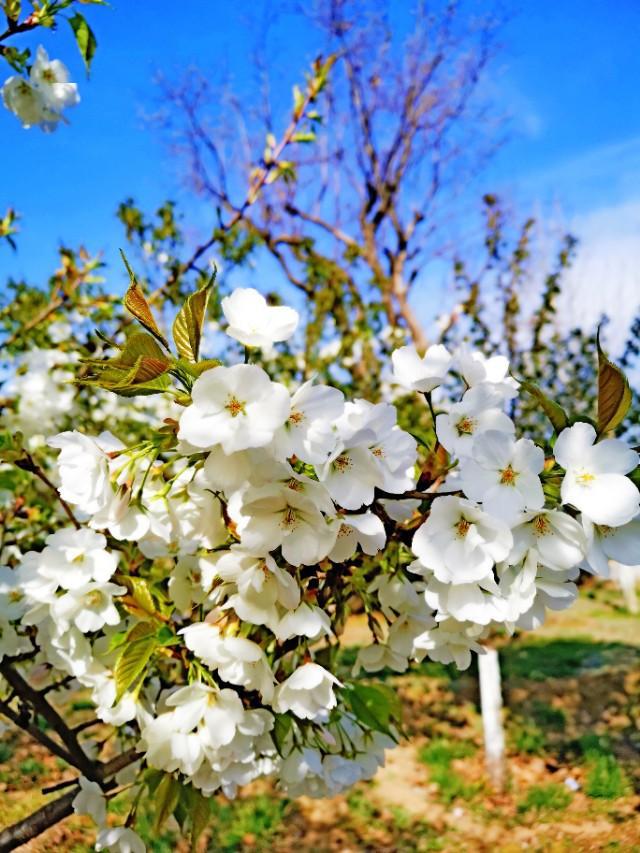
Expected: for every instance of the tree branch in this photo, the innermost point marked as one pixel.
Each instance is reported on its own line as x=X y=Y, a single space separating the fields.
x=31 y=728
x=76 y=755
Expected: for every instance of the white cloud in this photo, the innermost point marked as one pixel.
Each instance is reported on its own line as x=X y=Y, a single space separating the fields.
x=605 y=276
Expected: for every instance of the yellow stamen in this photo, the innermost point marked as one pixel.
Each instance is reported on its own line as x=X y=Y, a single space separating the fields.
x=235 y=407
x=342 y=463
x=540 y=525
x=462 y=527
x=508 y=476
x=289 y=518
x=466 y=425
x=585 y=478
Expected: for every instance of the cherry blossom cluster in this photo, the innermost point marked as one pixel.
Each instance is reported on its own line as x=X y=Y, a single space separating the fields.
x=232 y=544
x=40 y=99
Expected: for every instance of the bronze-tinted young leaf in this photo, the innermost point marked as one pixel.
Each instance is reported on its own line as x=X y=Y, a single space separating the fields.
x=552 y=410
x=614 y=394
x=139 y=368
x=187 y=327
x=136 y=303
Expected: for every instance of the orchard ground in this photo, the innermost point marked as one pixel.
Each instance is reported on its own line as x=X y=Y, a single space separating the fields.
x=572 y=693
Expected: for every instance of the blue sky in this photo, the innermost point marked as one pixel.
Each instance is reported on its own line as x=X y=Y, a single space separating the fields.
x=568 y=76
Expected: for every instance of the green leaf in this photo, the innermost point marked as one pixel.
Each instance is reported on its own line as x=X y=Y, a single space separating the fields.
x=281 y=728
x=10 y=446
x=614 y=394
x=17 y=59
x=199 y=808
x=117 y=640
x=85 y=39
x=141 y=594
x=165 y=800
x=11 y=8
x=136 y=303
x=552 y=410
x=424 y=442
x=135 y=656
x=198 y=369
x=166 y=637
x=188 y=325
x=376 y=706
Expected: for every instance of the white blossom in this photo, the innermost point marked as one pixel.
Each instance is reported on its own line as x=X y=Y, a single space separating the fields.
x=307 y=693
x=558 y=539
x=424 y=373
x=51 y=78
x=502 y=474
x=475 y=414
x=90 y=800
x=595 y=481
x=459 y=542
x=450 y=642
x=277 y=516
x=309 y=432
x=120 y=839
x=83 y=466
x=236 y=407
x=604 y=543
x=255 y=323
x=237 y=660
x=365 y=530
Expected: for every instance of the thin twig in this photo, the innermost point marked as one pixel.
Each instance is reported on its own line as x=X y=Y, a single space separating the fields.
x=29 y=464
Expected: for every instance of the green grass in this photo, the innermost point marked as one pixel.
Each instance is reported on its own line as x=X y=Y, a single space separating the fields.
x=257 y=819
x=163 y=841
x=250 y=822
x=6 y=751
x=547 y=717
x=31 y=767
x=539 y=659
x=527 y=738
x=401 y=817
x=360 y=806
x=545 y=798
x=441 y=752
x=593 y=743
x=606 y=780
x=82 y=705
x=528 y=734
x=439 y=756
